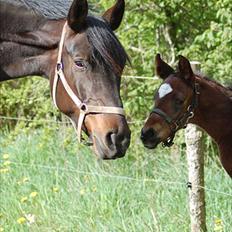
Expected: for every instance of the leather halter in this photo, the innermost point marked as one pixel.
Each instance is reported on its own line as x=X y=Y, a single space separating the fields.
x=83 y=107
x=182 y=121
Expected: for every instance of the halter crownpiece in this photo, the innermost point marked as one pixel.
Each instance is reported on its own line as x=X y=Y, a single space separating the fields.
x=83 y=108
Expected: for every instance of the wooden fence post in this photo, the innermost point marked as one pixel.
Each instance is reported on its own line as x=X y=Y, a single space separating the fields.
x=195 y=158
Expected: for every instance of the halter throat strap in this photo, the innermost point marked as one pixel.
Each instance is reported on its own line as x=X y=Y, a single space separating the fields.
x=84 y=109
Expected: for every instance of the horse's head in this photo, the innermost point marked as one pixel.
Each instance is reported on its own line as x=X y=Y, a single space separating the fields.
x=174 y=104
x=92 y=62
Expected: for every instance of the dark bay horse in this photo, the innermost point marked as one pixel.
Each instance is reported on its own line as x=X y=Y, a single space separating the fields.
x=83 y=60
x=187 y=97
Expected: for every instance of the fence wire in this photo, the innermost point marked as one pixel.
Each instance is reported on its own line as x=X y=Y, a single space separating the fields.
x=155 y=78
x=31 y=120
x=50 y=121
x=128 y=178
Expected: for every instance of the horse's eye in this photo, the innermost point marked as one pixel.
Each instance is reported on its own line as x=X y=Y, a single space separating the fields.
x=179 y=102
x=80 y=64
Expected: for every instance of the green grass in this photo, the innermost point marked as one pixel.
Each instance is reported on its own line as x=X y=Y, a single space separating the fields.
x=77 y=192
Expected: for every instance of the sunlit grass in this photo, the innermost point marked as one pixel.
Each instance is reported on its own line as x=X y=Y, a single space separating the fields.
x=54 y=184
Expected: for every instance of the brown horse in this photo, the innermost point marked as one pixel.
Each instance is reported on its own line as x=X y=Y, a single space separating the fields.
x=83 y=59
x=187 y=97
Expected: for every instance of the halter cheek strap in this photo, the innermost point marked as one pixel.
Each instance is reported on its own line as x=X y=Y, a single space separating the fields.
x=84 y=109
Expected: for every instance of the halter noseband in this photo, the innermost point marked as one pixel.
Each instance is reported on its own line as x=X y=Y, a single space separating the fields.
x=182 y=121
x=84 y=108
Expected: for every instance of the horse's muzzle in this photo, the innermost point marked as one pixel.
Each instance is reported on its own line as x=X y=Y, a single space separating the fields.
x=113 y=145
x=149 y=138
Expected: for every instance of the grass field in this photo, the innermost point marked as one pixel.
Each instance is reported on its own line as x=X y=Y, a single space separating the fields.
x=50 y=183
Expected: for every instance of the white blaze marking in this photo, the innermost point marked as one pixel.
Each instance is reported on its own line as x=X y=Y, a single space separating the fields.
x=164 y=90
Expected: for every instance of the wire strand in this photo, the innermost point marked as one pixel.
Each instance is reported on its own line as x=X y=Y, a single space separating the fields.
x=119 y=177
x=51 y=121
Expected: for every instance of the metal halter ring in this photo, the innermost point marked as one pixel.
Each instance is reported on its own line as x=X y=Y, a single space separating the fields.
x=59 y=66
x=84 y=107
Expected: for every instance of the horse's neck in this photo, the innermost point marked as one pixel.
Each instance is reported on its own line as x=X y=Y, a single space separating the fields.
x=27 y=40
x=214 y=111
x=16 y=19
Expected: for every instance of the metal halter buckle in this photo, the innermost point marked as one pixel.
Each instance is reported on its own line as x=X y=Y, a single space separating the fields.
x=168 y=142
x=191 y=115
x=197 y=89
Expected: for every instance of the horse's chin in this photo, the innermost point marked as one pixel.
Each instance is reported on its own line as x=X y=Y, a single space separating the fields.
x=89 y=141
x=151 y=144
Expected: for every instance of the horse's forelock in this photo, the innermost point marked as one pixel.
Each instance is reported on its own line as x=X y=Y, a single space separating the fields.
x=106 y=48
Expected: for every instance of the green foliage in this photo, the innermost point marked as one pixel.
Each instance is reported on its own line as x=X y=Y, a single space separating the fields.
x=213 y=47
x=26 y=98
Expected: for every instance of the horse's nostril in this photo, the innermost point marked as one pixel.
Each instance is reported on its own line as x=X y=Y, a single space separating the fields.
x=110 y=138
x=117 y=139
x=116 y=143
x=150 y=138
x=147 y=133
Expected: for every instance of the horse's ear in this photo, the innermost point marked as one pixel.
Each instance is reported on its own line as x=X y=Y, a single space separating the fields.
x=114 y=15
x=77 y=15
x=163 y=70
x=185 y=69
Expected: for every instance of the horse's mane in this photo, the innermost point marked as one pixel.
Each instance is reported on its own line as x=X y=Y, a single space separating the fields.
x=226 y=90
x=51 y=9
